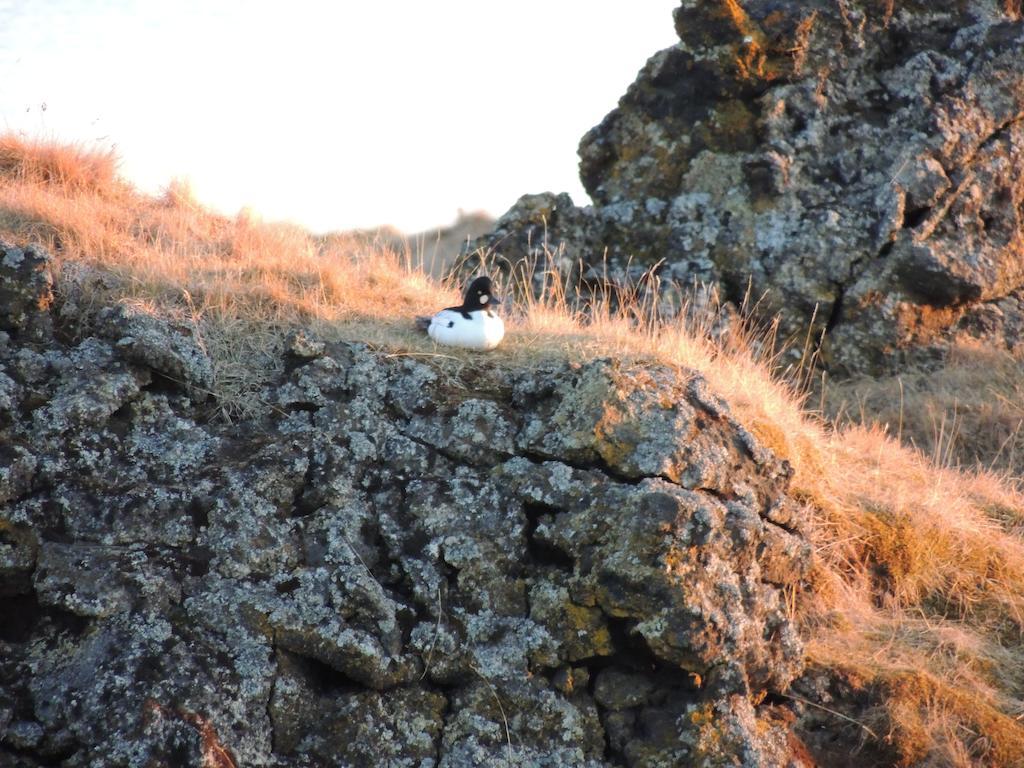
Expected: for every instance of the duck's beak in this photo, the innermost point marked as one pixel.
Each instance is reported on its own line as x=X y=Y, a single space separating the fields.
x=495 y=300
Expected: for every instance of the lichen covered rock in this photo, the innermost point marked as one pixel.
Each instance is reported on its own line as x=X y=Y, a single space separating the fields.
x=26 y=289
x=855 y=166
x=171 y=350
x=403 y=563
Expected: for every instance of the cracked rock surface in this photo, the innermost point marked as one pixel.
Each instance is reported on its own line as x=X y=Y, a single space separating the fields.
x=404 y=564
x=858 y=162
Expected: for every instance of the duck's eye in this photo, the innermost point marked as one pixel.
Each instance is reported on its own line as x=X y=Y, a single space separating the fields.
x=484 y=298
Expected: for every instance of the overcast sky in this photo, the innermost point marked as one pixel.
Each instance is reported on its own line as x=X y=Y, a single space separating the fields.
x=369 y=113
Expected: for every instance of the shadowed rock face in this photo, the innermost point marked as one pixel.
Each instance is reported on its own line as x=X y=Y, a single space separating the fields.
x=858 y=162
x=571 y=565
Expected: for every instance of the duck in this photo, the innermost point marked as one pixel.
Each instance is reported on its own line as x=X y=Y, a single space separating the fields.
x=473 y=324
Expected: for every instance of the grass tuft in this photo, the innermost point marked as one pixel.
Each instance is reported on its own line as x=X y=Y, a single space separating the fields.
x=65 y=168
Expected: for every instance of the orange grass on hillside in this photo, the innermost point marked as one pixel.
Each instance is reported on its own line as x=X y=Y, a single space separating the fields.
x=77 y=169
x=970 y=412
x=917 y=591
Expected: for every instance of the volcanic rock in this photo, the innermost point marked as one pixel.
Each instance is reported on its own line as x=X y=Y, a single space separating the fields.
x=402 y=563
x=853 y=166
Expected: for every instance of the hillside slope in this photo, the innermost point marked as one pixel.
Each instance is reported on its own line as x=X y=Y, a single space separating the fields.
x=249 y=518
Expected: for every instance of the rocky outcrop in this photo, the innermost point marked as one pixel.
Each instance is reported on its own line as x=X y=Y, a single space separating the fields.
x=855 y=163
x=401 y=564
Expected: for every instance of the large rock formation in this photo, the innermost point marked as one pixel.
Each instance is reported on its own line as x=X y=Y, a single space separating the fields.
x=855 y=163
x=402 y=564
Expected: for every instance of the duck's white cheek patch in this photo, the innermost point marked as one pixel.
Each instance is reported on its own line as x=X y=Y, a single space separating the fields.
x=484 y=299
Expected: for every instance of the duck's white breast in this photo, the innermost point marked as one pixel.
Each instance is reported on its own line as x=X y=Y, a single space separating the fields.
x=481 y=330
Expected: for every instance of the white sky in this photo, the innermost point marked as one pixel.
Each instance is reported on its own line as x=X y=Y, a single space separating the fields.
x=333 y=115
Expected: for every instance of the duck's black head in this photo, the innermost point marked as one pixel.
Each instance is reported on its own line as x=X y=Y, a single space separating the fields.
x=480 y=295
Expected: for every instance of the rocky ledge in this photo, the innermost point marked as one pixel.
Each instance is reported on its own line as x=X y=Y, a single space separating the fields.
x=854 y=165
x=405 y=563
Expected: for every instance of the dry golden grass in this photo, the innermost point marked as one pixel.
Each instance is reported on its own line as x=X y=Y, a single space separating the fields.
x=77 y=169
x=969 y=412
x=917 y=589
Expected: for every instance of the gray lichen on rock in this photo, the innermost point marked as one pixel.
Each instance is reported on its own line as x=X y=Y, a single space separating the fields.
x=854 y=165
x=566 y=565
